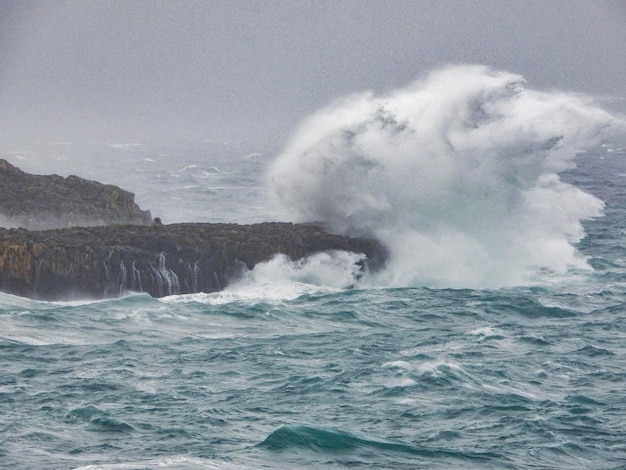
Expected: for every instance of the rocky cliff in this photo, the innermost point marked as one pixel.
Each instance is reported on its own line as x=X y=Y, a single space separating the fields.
x=107 y=261
x=40 y=202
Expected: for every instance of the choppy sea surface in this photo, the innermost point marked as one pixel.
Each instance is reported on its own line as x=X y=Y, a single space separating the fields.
x=284 y=374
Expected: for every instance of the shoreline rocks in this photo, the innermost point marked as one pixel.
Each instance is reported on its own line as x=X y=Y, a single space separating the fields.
x=39 y=202
x=84 y=239
x=108 y=261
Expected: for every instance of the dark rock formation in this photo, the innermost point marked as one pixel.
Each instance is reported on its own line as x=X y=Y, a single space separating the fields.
x=161 y=260
x=39 y=202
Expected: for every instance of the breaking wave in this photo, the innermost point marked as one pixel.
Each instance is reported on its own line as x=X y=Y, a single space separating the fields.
x=458 y=174
x=280 y=279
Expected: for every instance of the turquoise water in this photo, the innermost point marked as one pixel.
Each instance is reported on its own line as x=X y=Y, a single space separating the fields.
x=283 y=374
x=392 y=378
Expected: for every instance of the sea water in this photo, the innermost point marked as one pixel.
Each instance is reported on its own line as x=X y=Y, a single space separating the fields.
x=297 y=366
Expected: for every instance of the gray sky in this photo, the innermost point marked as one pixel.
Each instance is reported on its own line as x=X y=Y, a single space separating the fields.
x=135 y=70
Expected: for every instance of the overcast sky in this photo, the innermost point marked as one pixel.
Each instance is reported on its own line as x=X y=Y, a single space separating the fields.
x=135 y=70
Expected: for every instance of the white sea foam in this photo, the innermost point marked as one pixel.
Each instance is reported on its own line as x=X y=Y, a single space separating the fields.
x=335 y=269
x=457 y=174
x=266 y=292
x=403 y=365
x=173 y=462
x=281 y=279
x=485 y=332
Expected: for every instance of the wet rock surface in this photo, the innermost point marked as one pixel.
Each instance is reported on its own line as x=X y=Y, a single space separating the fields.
x=107 y=261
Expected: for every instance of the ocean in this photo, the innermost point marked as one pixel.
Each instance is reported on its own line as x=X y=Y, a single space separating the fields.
x=294 y=367
x=285 y=374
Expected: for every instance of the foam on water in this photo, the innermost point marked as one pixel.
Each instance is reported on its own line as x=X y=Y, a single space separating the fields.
x=172 y=463
x=281 y=279
x=458 y=174
x=335 y=269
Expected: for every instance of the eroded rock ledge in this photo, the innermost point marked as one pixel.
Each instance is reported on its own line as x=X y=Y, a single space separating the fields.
x=39 y=202
x=107 y=261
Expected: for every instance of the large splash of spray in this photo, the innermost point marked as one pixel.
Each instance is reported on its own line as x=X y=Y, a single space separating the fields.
x=457 y=174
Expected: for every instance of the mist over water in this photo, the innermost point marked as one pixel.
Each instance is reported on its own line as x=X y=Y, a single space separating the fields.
x=457 y=173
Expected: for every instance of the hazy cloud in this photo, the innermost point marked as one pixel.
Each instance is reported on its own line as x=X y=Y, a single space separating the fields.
x=212 y=69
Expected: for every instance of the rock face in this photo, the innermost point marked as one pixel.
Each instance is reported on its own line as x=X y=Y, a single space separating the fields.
x=39 y=202
x=107 y=261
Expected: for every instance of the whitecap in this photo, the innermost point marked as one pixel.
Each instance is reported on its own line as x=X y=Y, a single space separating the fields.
x=178 y=462
x=399 y=365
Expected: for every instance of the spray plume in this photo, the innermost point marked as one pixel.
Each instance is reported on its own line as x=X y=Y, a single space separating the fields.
x=458 y=174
